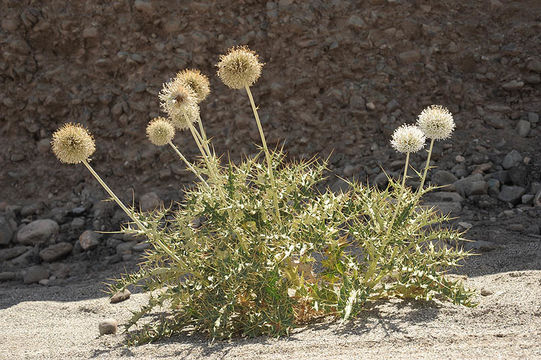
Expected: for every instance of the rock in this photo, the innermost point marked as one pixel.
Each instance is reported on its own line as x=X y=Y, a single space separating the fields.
x=149 y=201
x=7 y=276
x=35 y=273
x=511 y=194
x=523 y=128
x=485 y=292
x=533 y=117
x=445 y=196
x=90 y=33
x=125 y=248
x=13 y=252
x=493 y=187
x=480 y=245
x=537 y=199
x=471 y=185
x=356 y=22
x=60 y=270
x=495 y=120
x=77 y=223
x=120 y=296
x=518 y=175
x=38 y=232
x=446 y=208
x=513 y=158
x=409 y=57
x=89 y=239
x=55 y=252
x=141 y=246
x=6 y=231
x=108 y=326
x=460 y=159
x=26 y=259
x=534 y=65
x=513 y=85
x=443 y=177
x=381 y=180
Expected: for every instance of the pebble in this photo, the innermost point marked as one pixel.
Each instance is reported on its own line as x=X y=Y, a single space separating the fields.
x=511 y=194
x=55 y=252
x=89 y=239
x=37 y=232
x=513 y=158
x=486 y=292
x=523 y=128
x=34 y=274
x=12 y=252
x=480 y=245
x=120 y=296
x=443 y=177
x=149 y=201
x=108 y=326
x=7 y=276
x=409 y=57
x=471 y=185
x=6 y=231
x=460 y=159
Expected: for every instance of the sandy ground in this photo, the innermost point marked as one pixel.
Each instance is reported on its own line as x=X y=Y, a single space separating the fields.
x=54 y=322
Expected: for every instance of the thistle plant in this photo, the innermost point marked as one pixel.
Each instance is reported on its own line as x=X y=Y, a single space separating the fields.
x=256 y=248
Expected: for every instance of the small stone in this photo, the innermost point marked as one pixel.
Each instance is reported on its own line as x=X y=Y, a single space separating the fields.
x=381 y=180
x=443 y=177
x=409 y=57
x=523 y=128
x=460 y=159
x=537 y=199
x=511 y=194
x=534 y=65
x=513 y=85
x=7 y=276
x=90 y=33
x=125 y=248
x=370 y=106
x=141 y=246
x=89 y=239
x=485 y=292
x=513 y=158
x=77 y=223
x=149 y=201
x=34 y=274
x=108 y=326
x=471 y=185
x=13 y=252
x=465 y=225
x=6 y=231
x=516 y=227
x=120 y=296
x=55 y=252
x=533 y=117
x=37 y=232
x=480 y=245
x=356 y=22
x=495 y=120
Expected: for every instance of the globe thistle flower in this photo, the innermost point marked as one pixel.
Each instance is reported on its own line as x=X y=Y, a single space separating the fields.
x=408 y=139
x=176 y=98
x=188 y=115
x=239 y=68
x=436 y=122
x=160 y=131
x=197 y=82
x=72 y=144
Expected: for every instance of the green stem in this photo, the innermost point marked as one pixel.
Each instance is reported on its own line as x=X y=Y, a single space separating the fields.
x=387 y=238
x=188 y=164
x=128 y=211
x=427 y=165
x=267 y=154
x=203 y=135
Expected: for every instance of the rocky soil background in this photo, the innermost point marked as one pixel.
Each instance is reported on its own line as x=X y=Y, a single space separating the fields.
x=340 y=77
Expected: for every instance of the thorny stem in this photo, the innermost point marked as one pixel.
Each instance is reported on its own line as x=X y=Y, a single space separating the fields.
x=267 y=154
x=203 y=135
x=387 y=238
x=188 y=164
x=128 y=211
x=427 y=165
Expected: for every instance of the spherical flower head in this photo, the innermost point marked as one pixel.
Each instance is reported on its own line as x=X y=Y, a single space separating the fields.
x=436 y=122
x=197 y=82
x=160 y=131
x=175 y=97
x=72 y=144
x=188 y=115
x=408 y=139
x=239 y=68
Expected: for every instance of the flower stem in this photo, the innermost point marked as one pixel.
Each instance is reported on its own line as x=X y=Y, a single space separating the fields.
x=188 y=164
x=427 y=165
x=203 y=135
x=267 y=154
x=128 y=212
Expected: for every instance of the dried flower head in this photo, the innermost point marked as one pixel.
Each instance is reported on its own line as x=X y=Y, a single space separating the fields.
x=72 y=143
x=408 y=139
x=160 y=131
x=436 y=122
x=176 y=98
x=239 y=68
x=197 y=82
x=188 y=115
